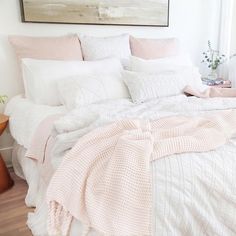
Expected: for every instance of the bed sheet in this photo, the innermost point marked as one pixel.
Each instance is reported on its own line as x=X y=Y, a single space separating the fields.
x=25 y=116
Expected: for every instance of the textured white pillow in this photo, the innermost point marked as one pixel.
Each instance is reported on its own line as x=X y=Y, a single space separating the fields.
x=95 y=48
x=144 y=86
x=79 y=91
x=40 y=76
x=161 y=64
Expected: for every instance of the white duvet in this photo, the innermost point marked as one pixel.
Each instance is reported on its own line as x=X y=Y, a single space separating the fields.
x=82 y=120
x=25 y=116
x=195 y=194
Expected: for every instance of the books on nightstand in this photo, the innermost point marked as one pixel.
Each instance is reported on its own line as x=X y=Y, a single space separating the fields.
x=221 y=83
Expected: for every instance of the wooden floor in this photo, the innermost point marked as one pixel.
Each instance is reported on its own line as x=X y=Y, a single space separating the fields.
x=13 y=211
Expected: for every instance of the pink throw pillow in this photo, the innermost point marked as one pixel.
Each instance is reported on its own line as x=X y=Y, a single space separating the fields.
x=154 y=48
x=51 y=48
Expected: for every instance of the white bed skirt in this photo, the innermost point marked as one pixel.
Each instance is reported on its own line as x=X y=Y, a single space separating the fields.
x=26 y=169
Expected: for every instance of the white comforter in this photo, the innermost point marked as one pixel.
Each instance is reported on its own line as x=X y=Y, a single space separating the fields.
x=25 y=116
x=195 y=194
x=82 y=120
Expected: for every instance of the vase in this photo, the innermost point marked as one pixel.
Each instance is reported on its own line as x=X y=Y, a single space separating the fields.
x=213 y=75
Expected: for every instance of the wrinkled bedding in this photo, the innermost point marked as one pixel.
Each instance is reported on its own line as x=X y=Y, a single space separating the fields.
x=80 y=121
x=25 y=117
x=188 y=187
x=110 y=168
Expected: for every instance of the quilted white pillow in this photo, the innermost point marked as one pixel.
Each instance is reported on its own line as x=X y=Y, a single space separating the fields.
x=41 y=76
x=161 y=64
x=95 y=48
x=144 y=86
x=79 y=91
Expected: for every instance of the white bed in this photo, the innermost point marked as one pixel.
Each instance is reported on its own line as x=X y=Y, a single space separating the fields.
x=195 y=194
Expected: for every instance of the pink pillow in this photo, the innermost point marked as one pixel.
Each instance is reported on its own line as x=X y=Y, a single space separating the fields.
x=154 y=48
x=51 y=48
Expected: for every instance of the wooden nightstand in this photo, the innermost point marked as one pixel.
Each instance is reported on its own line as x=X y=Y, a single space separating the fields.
x=5 y=179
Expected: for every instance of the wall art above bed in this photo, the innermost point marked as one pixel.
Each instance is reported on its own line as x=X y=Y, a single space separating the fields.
x=108 y=12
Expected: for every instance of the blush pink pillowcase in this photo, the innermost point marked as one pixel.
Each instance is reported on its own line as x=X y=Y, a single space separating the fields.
x=154 y=48
x=54 y=48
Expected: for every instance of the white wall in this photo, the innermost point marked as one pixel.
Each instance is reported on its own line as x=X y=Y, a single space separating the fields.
x=192 y=21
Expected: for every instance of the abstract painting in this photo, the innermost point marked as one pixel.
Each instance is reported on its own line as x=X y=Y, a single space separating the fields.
x=114 y=12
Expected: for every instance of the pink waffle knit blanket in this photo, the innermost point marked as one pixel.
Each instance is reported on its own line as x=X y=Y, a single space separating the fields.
x=105 y=180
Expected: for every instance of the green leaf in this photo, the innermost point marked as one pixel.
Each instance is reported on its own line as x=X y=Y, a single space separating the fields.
x=3 y=99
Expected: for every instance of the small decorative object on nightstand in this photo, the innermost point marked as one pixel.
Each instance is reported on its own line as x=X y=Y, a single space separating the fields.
x=218 y=83
x=213 y=59
x=5 y=179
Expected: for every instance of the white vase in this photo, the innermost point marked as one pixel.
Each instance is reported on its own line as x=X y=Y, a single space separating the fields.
x=213 y=75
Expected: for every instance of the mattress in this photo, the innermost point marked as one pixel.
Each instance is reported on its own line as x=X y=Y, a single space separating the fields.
x=25 y=116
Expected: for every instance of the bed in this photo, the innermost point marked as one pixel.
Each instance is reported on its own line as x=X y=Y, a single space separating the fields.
x=189 y=188
x=70 y=107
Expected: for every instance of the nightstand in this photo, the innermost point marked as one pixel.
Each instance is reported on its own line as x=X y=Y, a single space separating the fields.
x=5 y=179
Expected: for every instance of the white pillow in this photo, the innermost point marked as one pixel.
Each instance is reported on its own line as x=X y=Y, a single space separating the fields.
x=95 y=48
x=79 y=91
x=144 y=86
x=40 y=76
x=161 y=64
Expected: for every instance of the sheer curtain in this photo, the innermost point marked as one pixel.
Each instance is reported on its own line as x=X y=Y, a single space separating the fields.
x=232 y=63
x=225 y=33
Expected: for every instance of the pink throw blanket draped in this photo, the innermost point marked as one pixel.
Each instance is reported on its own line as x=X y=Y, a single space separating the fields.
x=41 y=147
x=105 y=180
x=211 y=92
x=42 y=138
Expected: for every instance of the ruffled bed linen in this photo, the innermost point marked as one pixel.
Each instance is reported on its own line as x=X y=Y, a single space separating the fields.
x=25 y=117
x=26 y=169
x=188 y=186
x=85 y=119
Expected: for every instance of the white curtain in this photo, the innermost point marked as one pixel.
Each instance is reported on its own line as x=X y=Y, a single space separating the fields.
x=225 y=33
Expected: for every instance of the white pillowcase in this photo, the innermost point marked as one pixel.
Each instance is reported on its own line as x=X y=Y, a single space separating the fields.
x=41 y=76
x=144 y=86
x=160 y=64
x=79 y=91
x=95 y=48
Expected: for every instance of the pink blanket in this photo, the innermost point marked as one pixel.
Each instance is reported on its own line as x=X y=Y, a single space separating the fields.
x=104 y=181
x=41 y=147
x=211 y=92
x=42 y=138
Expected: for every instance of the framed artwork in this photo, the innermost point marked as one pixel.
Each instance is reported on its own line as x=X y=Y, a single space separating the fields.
x=105 y=12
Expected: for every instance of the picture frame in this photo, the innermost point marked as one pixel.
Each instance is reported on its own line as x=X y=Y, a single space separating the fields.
x=97 y=12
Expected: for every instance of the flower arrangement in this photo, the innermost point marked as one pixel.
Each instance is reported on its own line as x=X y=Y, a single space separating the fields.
x=212 y=58
x=3 y=99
